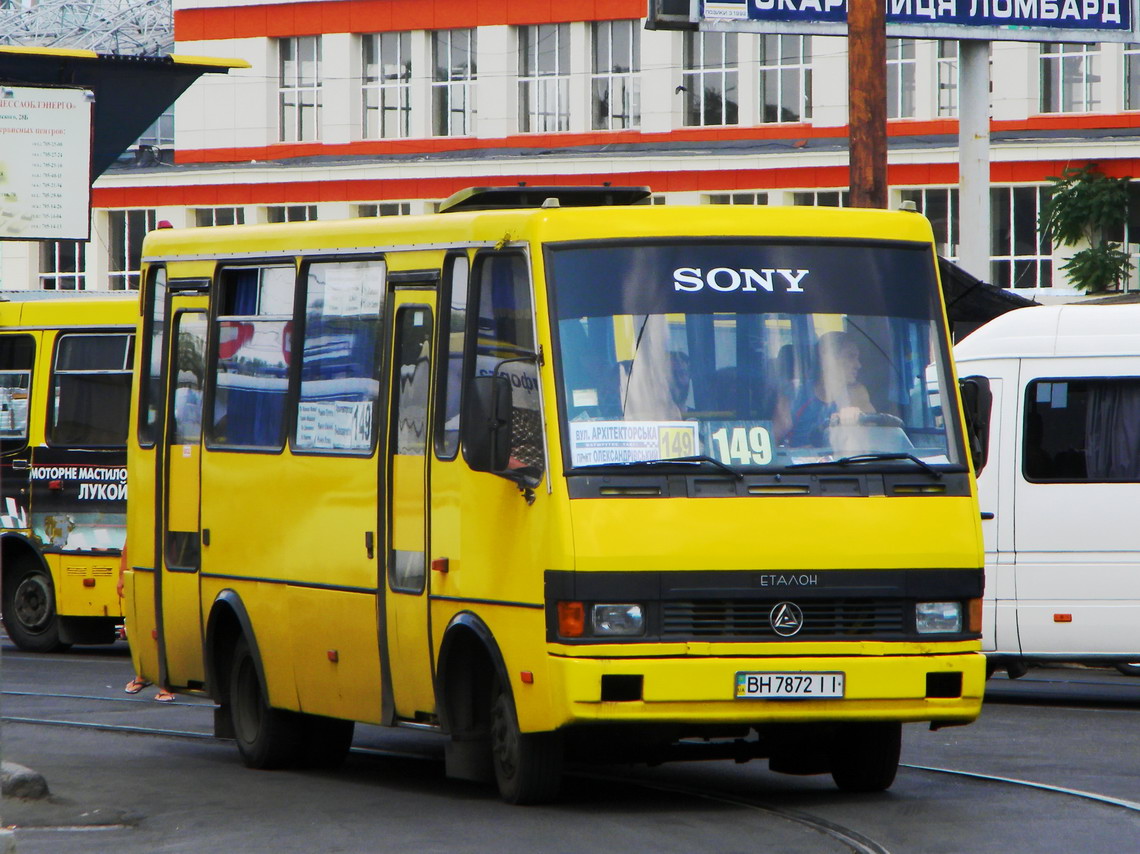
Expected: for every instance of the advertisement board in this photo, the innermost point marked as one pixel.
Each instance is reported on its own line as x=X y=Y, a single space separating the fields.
x=990 y=20
x=45 y=163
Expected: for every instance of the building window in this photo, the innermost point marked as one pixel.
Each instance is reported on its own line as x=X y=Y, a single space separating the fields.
x=1070 y=79
x=710 y=79
x=299 y=88
x=736 y=199
x=822 y=198
x=386 y=85
x=1074 y=429
x=218 y=216
x=291 y=213
x=1020 y=257
x=785 y=78
x=901 y=65
x=947 y=77
x=125 y=233
x=385 y=209
x=544 y=78
x=453 y=82
x=940 y=206
x=617 y=65
x=63 y=265
x=161 y=132
x=1132 y=76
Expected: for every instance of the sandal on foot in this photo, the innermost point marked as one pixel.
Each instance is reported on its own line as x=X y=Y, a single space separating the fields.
x=136 y=685
x=164 y=696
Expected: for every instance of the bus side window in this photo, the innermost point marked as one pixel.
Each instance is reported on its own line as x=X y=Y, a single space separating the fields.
x=339 y=355
x=152 y=399
x=91 y=390
x=17 y=353
x=251 y=378
x=503 y=329
x=450 y=365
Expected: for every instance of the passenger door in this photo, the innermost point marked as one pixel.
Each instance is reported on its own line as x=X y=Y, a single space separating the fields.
x=407 y=586
x=995 y=498
x=180 y=562
x=1078 y=564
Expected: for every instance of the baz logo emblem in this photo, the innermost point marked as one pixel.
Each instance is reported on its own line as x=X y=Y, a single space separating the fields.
x=786 y=619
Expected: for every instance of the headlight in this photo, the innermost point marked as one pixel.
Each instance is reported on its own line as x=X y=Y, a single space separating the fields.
x=937 y=617
x=618 y=620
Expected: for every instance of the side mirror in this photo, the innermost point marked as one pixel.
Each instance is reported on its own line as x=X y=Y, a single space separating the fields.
x=977 y=400
x=486 y=427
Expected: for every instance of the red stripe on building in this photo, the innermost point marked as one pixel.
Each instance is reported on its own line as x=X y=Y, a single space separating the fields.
x=799 y=133
x=283 y=20
x=402 y=189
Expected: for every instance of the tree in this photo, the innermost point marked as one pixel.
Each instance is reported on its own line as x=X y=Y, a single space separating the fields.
x=1088 y=207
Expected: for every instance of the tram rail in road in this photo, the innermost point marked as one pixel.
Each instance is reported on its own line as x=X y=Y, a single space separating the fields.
x=83 y=693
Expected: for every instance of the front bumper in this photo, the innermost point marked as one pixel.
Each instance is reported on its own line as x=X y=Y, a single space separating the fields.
x=698 y=691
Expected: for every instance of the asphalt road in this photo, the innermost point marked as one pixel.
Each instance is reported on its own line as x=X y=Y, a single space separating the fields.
x=1073 y=729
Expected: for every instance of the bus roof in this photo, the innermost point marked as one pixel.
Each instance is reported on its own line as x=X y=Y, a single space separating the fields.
x=56 y=309
x=534 y=225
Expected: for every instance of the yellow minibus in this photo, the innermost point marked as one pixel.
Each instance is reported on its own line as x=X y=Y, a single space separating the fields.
x=65 y=390
x=557 y=475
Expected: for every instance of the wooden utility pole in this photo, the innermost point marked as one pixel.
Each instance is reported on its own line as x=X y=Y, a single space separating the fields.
x=867 y=102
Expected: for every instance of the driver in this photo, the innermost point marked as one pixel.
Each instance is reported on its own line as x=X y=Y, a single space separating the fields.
x=835 y=397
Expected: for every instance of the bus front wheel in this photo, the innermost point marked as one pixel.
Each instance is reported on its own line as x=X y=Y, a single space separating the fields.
x=865 y=756
x=266 y=737
x=29 y=609
x=528 y=766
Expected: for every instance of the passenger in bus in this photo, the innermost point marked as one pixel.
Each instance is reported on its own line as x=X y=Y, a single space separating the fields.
x=834 y=398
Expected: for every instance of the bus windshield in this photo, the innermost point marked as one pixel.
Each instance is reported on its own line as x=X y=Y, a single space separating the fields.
x=760 y=354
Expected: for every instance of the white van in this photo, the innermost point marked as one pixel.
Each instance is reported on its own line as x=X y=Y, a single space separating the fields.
x=1060 y=483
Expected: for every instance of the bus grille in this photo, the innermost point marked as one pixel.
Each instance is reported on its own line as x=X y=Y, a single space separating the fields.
x=741 y=619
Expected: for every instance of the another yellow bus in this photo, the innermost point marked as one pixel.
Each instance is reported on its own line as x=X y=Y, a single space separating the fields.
x=65 y=390
x=557 y=475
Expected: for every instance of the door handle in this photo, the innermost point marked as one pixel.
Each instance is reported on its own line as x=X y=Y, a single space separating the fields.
x=986 y=516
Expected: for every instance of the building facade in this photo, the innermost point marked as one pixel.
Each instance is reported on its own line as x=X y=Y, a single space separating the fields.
x=386 y=107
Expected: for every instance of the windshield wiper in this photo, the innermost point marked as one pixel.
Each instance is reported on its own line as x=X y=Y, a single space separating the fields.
x=873 y=458
x=696 y=459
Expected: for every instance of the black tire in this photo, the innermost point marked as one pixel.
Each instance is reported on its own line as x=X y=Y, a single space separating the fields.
x=865 y=757
x=528 y=766
x=1015 y=668
x=29 y=609
x=266 y=737
x=1129 y=669
x=325 y=742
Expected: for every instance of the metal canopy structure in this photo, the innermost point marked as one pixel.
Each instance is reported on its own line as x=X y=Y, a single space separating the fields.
x=130 y=91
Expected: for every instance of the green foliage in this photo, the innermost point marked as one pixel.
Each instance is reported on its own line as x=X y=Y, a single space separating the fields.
x=1088 y=206
x=1105 y=263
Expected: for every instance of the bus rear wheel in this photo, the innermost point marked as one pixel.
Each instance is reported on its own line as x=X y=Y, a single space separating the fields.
x=29 y=609
x=266 y=737
x=528 y=766
x=865 y=756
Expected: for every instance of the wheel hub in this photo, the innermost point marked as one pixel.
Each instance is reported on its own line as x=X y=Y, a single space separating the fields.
x=32 y=601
